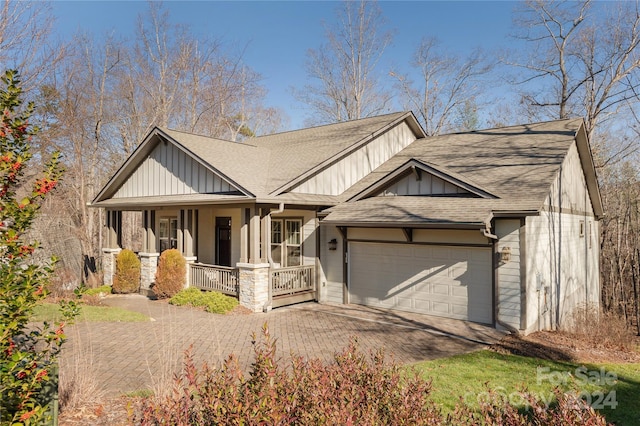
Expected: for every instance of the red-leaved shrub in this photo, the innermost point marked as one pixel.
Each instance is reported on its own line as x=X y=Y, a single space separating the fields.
x=354 y=389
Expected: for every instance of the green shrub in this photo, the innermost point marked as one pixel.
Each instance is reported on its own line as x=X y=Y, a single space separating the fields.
x=353 y=389
x=127 y=278
x=213 y=301
x=28 y=351
x=96 y=291
x=171 y=274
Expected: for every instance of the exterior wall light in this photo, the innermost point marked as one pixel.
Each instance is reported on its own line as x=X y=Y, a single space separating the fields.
x=505 y=254
x=333 y=244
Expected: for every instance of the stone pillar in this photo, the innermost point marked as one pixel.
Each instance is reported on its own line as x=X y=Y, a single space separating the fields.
x=254 y=285
x=109 y=264
x=148 y=268
x=190 y=260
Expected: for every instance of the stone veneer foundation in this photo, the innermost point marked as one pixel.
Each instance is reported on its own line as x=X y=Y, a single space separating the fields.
x=254 y=285
x=109 y=264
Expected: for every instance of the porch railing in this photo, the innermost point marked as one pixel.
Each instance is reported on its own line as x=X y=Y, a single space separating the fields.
x=215 y=278
x=293 y=279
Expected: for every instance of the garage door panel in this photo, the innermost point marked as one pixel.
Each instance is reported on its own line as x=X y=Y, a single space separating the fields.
x=447 y=281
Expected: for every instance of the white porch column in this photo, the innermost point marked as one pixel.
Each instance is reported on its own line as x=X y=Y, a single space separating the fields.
x=244 y=236
x=190 y=260
x=254 y=238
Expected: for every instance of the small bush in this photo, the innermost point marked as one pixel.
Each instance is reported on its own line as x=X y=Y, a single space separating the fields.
x=606 y=330
x=567 y=409
x=171 y=274
x=106 y=289
x=213 y=301
x=127 y=278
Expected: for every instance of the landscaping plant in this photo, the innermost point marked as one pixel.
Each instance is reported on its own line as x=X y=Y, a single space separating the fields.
x=214 y=302
x=171 y=274
x=28 y=353
x=127 y=276
x=354 y=389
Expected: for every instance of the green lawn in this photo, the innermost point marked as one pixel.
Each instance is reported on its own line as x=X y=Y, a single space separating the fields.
x=469 y=376
x=88 y=313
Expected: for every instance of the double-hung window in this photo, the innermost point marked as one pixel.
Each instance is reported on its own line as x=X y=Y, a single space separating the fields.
x=286 y=241
x=168 y=233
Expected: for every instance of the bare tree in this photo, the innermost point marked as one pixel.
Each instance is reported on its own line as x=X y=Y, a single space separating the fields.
x=26 y=41
x=585 y=61
x=580 y=63
x=83 y=130
x=178 y=80
x=444 y=97
x=343 y=71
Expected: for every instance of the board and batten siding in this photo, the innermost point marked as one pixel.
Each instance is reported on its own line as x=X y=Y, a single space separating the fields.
x=168 y=170
x=563 y=270
x=427 y=185
x=508 y=273
x=341 y=175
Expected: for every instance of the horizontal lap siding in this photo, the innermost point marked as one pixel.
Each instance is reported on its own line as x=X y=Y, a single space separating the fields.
x=331 y=266
x=508 y=273
x=562 y=263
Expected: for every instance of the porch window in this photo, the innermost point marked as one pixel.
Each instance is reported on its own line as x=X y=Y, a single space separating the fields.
x=286 y=242
x=168 y=233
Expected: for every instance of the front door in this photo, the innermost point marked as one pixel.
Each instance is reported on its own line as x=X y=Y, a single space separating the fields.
x=223 y=241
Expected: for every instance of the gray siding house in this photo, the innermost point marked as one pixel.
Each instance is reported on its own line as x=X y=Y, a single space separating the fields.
x=495 y=226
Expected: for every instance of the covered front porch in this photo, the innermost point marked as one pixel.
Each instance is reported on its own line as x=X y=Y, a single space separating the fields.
x=265 y=255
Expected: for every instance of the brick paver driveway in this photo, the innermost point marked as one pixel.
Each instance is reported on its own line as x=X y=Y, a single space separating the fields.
x=126 y=357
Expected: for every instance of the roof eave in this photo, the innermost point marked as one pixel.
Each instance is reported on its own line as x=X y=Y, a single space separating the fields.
x=138 y=204
x=589 y=169
x=399 y=224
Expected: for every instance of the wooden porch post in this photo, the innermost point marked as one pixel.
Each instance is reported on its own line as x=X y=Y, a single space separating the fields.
x=113 y=241
x=188 y=248
x=244 y=236
x=254 y=237
x=254 y=275
x=149 y=254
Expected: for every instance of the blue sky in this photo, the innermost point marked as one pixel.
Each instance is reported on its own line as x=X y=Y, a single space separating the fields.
x=277 y=35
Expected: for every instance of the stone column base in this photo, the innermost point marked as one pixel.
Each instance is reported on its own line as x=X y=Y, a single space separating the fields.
x=148 y=268
x=254 y=285
x=109 y=264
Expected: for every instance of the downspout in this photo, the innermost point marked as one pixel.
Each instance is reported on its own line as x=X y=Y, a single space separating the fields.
x=267 y=223
x=496 y=282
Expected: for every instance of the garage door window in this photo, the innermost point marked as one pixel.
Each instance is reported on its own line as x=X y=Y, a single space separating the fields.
x=286 y=241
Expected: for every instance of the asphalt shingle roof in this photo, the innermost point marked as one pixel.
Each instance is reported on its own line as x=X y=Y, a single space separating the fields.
x=263 y=164
x=517 y=164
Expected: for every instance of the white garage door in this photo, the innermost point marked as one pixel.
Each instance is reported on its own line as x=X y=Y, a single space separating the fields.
x=453 y=282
